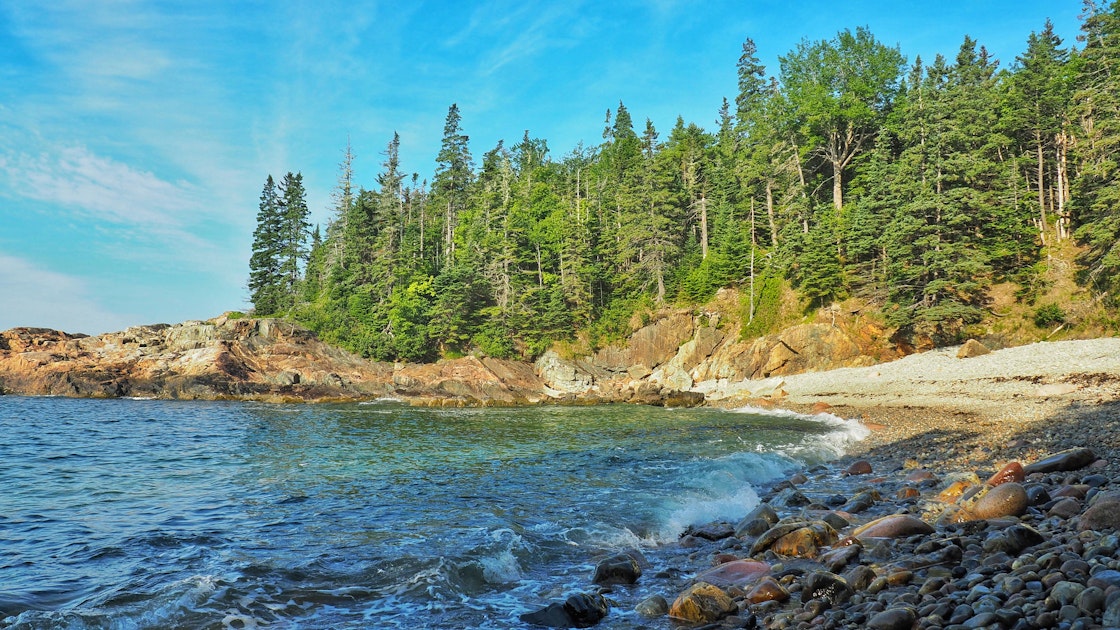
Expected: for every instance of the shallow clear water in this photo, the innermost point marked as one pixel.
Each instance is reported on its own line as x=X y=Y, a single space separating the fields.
x=158 y=514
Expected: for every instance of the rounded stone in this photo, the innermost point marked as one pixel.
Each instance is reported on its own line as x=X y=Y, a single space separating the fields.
x=861 y=467
x=893 y=526
x=652 y=607
x=893 y=619
x=702 y=603
x=1007 y=499
x=1010 y=472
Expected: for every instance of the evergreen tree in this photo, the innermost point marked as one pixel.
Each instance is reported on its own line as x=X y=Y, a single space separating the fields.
x=295 y=231
x=266 y=275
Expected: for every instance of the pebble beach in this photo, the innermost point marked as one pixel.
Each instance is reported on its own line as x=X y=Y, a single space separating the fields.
x=986 y=495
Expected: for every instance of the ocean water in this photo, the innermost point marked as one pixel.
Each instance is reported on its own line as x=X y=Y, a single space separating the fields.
x=163 y=514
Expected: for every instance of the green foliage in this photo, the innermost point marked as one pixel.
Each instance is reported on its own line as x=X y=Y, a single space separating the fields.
x=767 y=305
x=1049 y=315
x=845 y=176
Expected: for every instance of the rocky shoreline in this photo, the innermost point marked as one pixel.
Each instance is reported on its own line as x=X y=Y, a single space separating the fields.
x=971 y=515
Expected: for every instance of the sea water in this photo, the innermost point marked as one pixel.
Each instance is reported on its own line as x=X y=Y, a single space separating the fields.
x=167 y=514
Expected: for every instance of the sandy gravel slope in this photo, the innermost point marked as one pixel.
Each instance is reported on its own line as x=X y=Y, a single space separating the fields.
x=1026 y=380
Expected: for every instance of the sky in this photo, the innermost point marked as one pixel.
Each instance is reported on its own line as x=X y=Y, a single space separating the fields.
x=136 y=136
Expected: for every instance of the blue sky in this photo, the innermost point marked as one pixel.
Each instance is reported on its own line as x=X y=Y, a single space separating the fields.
x=135 y=136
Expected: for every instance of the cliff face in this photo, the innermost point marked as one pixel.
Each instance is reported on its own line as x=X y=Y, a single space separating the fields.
x=679 y=360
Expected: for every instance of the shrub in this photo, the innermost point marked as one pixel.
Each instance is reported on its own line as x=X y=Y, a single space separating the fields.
x=1049 y=315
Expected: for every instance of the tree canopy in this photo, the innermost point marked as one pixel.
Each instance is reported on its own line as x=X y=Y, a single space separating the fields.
x=916 y=185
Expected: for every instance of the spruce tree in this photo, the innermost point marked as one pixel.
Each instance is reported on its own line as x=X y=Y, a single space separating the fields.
x=266 y=275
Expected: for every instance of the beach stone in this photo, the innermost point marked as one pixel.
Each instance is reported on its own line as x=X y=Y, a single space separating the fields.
x=836 y=559
x=1103 y=513
x=921 y=476
x=893 y=619
x=861 y=502
x=792 y=498
x=1007 y=499
x=859 y=577
x=1091 y=600
x=713 y=531
x=953 y=492
x=893 y=526
x=1066 y=592
x=702 y=603
x=1066 y=508
x=757 y=521
x=578 y=611
x=652 y=607
x=1038 y=494
x=1104 y=579
x=806 y=541
x=1067 y=460
x=740 y=573
x=1010 y=472
x=768 y=537
x=827 y=586
x=622 y=568
x=1013 y=539
x=1111 y=616
x=907 y=492
x=861 y=467
x=767 y=590
x=971 y=349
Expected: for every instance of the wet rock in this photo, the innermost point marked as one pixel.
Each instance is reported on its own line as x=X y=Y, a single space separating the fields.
x=861 y=502
x=652 y=607
x=1071 y=459
x=861 y=467
x=893 y=526
x=1010 y=472
x=766 y=590
x=805 y=542
x=578 y=611
x=1103 y=513
x=859 y=577
x=954 y=491
x=826 y=586
x=907 y=493
x=921 y=476
x=622 y=568
x=712 y=531
x=702 y=603
x=774 y=533
x=893 y=619
x=792 y=498
x=1013 y=539
x=740 y=573
x=836 y=559
x=1007 y=499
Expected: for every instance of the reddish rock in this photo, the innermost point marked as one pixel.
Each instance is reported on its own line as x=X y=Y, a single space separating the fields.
x=861 y=467
x=805 y=542
x=740 y=573
x=918 y=476
x=821 y=407
x=1010 y=472
x=1103 y=513
x=907 y=493
x=767 y=589
x=893 y=526
x=953 y=492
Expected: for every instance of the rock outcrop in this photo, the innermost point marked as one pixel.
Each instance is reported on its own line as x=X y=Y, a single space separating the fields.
x=680 y=359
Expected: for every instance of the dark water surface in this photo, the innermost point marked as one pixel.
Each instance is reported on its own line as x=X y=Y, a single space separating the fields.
x=163 y=514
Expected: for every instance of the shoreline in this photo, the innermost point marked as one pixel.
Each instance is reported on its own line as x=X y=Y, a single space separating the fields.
x=1048 y=557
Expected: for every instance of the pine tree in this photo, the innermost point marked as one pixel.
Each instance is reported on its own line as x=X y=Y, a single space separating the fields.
x=266 y=275
x=294 y=234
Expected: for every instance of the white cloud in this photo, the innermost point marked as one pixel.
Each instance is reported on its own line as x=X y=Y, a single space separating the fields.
x=97 y=186
x=41 y=298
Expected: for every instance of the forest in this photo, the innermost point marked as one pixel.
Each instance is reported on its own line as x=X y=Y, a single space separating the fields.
x=850 y=171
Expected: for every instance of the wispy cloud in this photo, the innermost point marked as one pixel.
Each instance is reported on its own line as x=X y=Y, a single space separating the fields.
x=52 y=300
x=100 y=187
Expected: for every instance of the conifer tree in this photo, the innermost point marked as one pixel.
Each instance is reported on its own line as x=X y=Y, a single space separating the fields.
x=266 y=276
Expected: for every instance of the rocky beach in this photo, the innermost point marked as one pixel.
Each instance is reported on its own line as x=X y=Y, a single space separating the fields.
x=986 y=495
